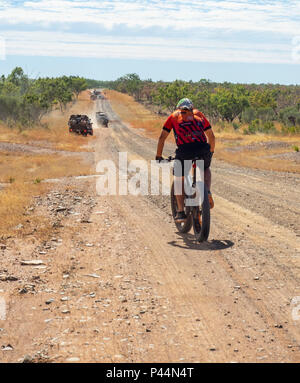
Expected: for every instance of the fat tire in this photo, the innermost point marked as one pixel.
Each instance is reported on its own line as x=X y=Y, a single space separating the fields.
x=201 y=229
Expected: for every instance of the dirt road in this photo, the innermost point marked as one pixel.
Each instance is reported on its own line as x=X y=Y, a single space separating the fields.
x=117 y=283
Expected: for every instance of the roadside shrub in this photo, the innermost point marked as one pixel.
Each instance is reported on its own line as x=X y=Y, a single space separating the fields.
x=257 y=126
x=267 y=127
x=266 y=114
x=248 y=115
x=10 y=108
x=222 y=125
x=290 y=129
x=290 y=116
x=263 y=114
x=253 y=127
x=236 y=126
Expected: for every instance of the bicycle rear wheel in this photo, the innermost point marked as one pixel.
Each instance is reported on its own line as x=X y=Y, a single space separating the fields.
x=183 y=227
x=201 y=219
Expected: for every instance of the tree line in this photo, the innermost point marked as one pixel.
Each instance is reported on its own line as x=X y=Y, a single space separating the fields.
x=24 y=101
x=258 y=106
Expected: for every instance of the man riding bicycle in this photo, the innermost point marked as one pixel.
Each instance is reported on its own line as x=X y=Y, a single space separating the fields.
x=194 y=138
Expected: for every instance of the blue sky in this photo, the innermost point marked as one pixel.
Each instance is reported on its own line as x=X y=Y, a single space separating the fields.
x=237 y=40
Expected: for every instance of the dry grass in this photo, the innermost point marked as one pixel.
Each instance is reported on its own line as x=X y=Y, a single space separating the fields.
x=256 y=157
x=24 y=173
x=150 y=125
x=27 y=167
x=13 y=202
x=227 y=132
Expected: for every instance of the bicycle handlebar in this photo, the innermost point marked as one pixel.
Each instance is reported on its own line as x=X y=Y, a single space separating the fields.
x=170 y=158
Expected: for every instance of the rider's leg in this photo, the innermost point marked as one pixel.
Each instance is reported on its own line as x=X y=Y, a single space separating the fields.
x=179 y=186
x=179 y=183
x=207 y=181
x=179 y=192
x=207 y=178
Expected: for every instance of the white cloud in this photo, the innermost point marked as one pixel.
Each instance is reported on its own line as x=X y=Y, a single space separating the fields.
x=279 y=19
x=85 y=45
x=273 y=16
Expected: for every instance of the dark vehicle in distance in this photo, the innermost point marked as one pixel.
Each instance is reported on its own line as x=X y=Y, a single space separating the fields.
x=96 y=94
x=102 y=118
x=80 y=124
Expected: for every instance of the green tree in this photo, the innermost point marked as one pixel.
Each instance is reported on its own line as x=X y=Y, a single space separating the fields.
x=228 y=104
x=263 y=99
x=19 y=80
x=77 y=85
x=131 y=84
x=168 y=95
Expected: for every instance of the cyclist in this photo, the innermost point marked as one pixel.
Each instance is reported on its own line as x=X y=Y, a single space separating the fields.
x=194 y=138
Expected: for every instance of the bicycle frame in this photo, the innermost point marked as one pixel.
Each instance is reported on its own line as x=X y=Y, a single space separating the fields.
x=193 y=188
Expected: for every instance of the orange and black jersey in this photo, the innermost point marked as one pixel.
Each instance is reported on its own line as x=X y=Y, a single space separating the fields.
x=187 y=128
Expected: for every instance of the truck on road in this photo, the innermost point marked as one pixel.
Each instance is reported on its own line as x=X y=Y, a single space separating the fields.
x=102 y=118
x=80 y=124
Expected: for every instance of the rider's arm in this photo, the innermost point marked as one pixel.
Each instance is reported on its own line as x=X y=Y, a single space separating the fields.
x=210 y=139
x=207 y=129
x=161 y=142
x=168 y=126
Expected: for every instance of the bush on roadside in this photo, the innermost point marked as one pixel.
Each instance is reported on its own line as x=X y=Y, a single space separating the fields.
x=236 y=126
x=285 y=129
x=266 y=114
x=290 y=116
x=248 y=115
x=257 y=126
x=263 y=114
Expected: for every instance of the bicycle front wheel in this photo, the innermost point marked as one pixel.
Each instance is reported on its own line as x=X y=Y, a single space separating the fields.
x=201 y=219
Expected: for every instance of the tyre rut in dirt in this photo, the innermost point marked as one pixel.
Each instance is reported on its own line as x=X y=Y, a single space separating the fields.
x=183 y=227
x=201 y=219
